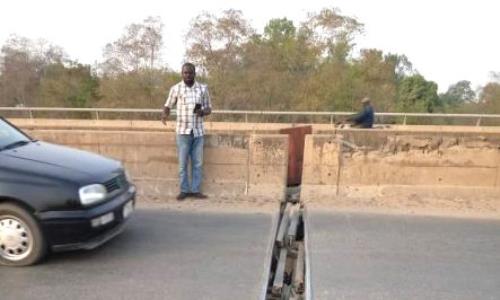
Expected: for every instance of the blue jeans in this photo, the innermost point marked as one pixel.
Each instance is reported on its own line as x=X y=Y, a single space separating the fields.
x=190 y=147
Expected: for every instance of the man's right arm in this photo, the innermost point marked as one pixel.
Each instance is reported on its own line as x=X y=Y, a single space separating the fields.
x=165 y=114
x=171 y=101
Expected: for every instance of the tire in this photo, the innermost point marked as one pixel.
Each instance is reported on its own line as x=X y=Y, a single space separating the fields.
x=21 y=240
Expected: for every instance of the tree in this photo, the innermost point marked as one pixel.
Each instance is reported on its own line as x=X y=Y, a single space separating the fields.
x=401 y=65
x=214 y=42
x=415 y=94
x=375 y=75
x=458 y=94
x=333 y=32
x=490 y=98
x=138 y=48
x=328 y=83
x=137 y=52
x=288 y=50
x=133 y=89
x=495 y=76
x=23 y=64
x=279 y=31
x=72 y=86
x=215 y=46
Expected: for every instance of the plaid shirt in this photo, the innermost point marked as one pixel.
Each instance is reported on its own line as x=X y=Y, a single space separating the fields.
x=185 y=98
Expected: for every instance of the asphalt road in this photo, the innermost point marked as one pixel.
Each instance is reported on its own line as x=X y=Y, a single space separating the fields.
x=361 y=256
x=161 y=255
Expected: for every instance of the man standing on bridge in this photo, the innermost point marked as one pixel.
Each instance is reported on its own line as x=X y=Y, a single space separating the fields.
x=192 y=102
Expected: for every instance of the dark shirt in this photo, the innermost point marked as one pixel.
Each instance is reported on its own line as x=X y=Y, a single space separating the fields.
x=365 y=118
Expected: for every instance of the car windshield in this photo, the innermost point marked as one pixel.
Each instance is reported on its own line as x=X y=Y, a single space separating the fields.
x=10 y=137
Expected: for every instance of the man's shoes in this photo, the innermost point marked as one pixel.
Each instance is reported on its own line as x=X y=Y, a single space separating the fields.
x=199 y=195
x=181 y=196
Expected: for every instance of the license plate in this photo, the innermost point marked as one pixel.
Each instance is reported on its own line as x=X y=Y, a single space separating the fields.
x=128 y=209
x=103 y=220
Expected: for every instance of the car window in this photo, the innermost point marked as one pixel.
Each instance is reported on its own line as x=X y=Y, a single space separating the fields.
x=10 y=135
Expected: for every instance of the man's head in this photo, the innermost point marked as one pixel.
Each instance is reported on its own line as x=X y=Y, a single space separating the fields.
x=188 y=73
x=365 y=101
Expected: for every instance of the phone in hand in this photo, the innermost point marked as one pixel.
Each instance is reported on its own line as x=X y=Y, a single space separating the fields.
x=197 y=107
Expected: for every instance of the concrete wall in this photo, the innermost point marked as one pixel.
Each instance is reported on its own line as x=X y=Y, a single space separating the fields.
x=138 y=125
x=231 y=127
x=393 y=168
x=235 y=164
x=397 y=166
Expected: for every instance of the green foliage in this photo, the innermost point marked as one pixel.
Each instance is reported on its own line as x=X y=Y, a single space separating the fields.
x=72 y=86
x=279 y=31
x=375 y=75
x=307 y=66
x=415 y=94
x=489 y=98
x=135 y=89
x=138 y=48
x=333 y=33
x=458 y=94
x=22 y=65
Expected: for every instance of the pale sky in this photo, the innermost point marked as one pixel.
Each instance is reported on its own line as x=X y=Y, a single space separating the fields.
x=446 y=41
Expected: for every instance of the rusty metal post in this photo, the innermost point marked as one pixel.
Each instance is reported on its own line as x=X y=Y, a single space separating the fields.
x=296 y=142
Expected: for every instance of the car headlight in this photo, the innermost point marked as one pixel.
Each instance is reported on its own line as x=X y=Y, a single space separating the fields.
x=93 y=193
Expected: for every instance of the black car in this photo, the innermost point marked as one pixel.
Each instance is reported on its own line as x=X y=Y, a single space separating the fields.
x=55 y=198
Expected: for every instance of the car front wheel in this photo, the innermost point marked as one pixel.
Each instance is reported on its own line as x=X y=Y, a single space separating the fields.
x=21 y=240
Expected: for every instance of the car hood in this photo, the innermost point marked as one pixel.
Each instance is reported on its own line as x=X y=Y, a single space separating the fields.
x=60 y=161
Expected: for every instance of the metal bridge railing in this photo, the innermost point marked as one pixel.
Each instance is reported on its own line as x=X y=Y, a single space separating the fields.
x=96 y=112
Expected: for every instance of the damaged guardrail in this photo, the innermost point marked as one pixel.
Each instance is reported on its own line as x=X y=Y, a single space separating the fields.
x=287 y=278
